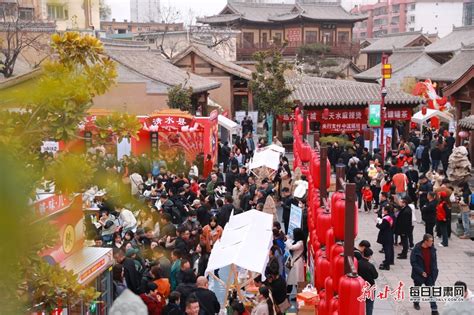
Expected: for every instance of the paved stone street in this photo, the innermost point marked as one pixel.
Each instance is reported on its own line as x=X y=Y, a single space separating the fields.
x=454 y=264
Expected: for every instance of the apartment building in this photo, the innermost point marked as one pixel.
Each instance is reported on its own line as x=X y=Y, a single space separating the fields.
x=66 y=14
x=398 y=16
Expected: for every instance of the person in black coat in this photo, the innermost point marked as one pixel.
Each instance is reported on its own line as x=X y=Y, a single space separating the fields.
x=172 y=308
x=420 y=272
x=230 y=178
x=367 y=271
x=208 y=303
x=403 y=226
x=286 y=202
x=385 y=236
x=186 y=288
x=428 y=213
x=412 y=175
x=224 y=214
x=132 y=277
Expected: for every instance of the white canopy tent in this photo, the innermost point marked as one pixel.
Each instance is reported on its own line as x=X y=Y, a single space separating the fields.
x=419 y=118
x=275 y=148
x=245 y=243
x=268 y=158
x=230 y=127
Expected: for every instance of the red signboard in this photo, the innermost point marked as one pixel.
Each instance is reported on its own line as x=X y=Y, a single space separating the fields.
x=294 y=34
x=50 y=205
x=348 y=120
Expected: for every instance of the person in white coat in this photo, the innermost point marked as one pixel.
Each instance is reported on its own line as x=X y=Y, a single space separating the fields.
x=126 y=219
x=297 y=248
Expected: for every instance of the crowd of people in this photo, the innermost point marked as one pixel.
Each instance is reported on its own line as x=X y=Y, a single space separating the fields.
x=412 y=179
x=162 y=240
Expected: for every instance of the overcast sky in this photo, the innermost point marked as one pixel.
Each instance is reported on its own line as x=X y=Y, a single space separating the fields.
x=121 y=8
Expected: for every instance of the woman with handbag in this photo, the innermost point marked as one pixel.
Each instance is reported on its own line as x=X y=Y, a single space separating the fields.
x=296 y=261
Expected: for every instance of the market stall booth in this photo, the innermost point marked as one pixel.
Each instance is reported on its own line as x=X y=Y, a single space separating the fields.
x=177 y=138
x=91 y=265
x=228 y=129
x=245 y=243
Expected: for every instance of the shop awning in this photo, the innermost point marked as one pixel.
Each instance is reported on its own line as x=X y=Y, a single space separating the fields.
x=419 y=118
x=275 y=148
x=245 y=242
x=89 y=262
x=227 y=123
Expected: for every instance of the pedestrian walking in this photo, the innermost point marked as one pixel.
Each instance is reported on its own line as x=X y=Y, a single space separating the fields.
x=367 y=272
x=424 y=266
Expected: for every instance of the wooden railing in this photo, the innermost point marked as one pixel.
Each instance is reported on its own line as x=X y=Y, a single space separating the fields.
x=246 y=50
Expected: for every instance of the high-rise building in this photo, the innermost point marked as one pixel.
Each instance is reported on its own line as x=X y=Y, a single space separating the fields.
x=398 y=16
x=145 y=11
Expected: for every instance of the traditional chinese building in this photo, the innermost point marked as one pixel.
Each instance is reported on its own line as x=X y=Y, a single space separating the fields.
x=263 y=25
x=233 y=94
x=406 y=62
x=386 y=44
x=347 y=102
x=144 y=78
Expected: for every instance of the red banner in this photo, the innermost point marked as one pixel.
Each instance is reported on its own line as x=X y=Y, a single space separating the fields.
x=345 y=116
x=52 y=204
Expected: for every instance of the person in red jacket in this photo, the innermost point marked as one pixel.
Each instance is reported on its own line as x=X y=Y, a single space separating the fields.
x=208 y=164
x=367 y=196
x=442 y=212
x=152 y=299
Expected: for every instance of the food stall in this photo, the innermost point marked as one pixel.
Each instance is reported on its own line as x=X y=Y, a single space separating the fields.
x=91 y=265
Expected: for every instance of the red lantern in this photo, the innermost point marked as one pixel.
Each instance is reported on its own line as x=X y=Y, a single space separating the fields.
x=305 y=153
x=350 y=288
x=322 y=271
x=322 y=307
x=326 y=113
x=313 y=238
x=335 y=250
x=338 y=195
x=329 y=292
x=337 y=269
x=333 y=305
x=338 y=219
x=434 y=122
x=423 y=110
x=323 y=223
x=329 y=241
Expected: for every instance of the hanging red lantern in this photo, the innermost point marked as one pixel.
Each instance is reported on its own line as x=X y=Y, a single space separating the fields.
x=434 y=122
x=323 y=223
x=329 y=292
x=326 y=113
x=322 y=306
x=423 y=110
x=316 y=213
x=350 y=288
x=322 y=271
x=305 y=153
x=335 y=250
x=338 y=219
x=337 y=269
x=338 y=195
x=329 y=240
x=333 y=305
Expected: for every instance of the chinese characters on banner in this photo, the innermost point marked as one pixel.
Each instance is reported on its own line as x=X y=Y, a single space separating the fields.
x=52 y=204
x=169 y=122
x=349 y=120
x=294 y=34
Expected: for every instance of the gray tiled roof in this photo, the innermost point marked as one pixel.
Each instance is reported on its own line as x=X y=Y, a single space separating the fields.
x=454 y=68
x=453 y=41
x=214 y=59
x=399 y=59
x=268 y=12
x=154 y=67
x=313 y=91
x=388 y=42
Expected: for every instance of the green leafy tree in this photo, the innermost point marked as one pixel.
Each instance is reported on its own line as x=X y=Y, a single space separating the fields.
x=269 y=88
x=52 y=108
x=180 y=97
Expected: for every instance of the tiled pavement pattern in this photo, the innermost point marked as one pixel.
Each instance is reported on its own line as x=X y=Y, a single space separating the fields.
x=454 y=263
